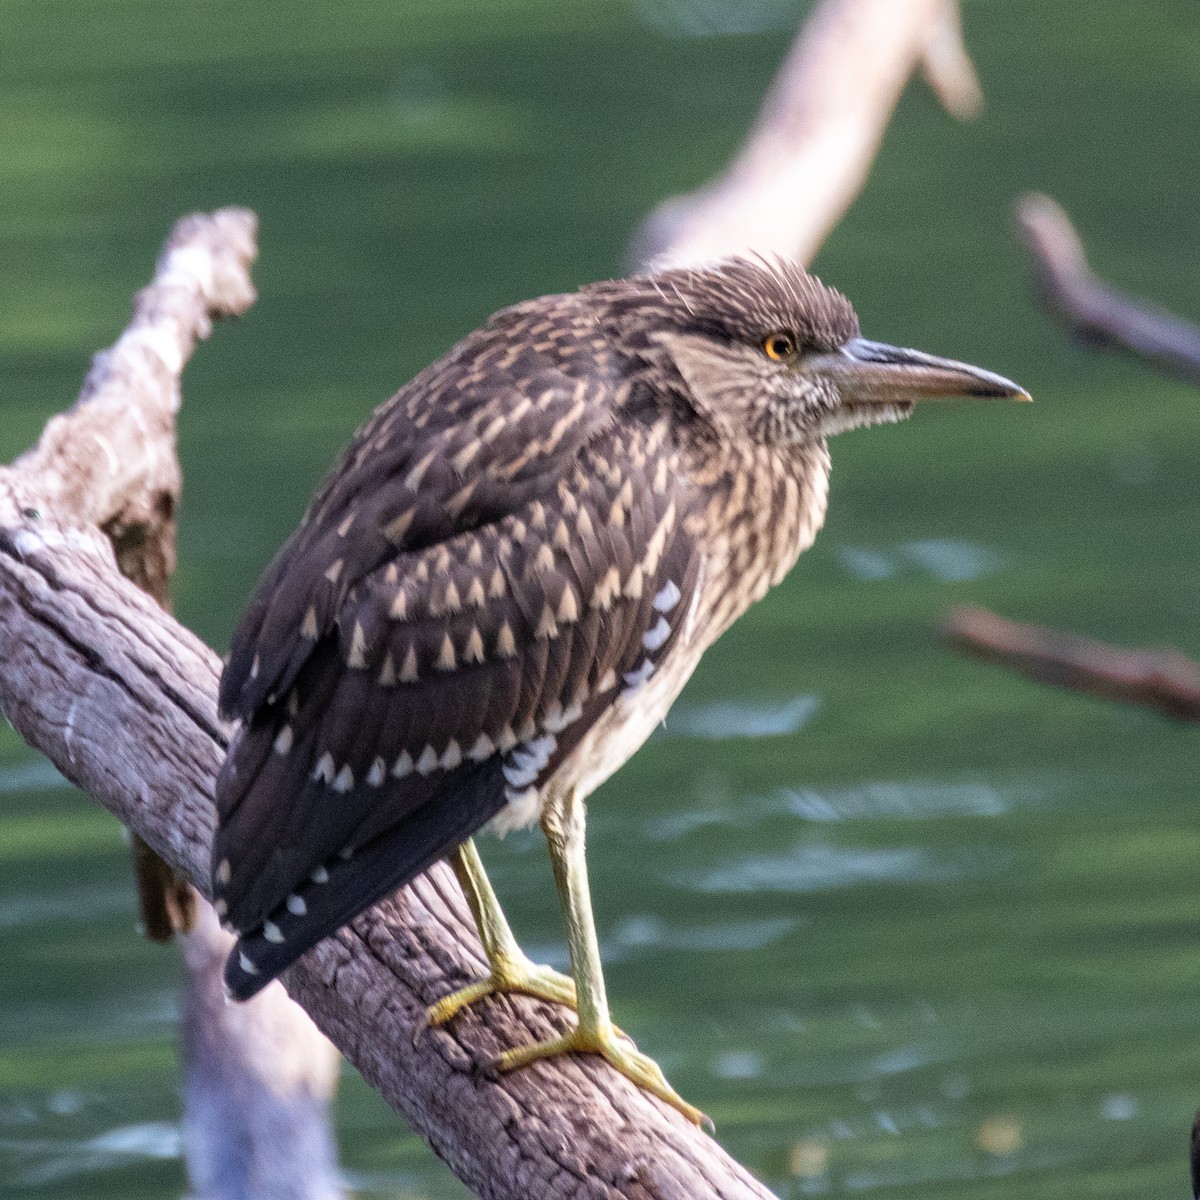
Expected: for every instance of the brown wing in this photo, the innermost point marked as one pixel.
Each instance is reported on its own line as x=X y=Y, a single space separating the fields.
x=474 y=437
x=447 y=667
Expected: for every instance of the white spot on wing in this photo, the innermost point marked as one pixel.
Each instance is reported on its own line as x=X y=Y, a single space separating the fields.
x=635 y=679
x=653 y=639
x=319 y=875
x=557 y=720
x=377 y=773
x=483 y=749
x=272 y=932
x=526 y=763
x=296 y=905
x=245 y=963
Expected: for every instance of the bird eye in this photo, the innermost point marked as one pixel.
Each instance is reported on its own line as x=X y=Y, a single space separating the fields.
x=779 y=346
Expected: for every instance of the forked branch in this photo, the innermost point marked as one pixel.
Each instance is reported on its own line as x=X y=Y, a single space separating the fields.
x=818 y=132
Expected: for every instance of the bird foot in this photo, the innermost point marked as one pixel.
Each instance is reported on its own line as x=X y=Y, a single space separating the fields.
x=509 y=974
x=618 y=1050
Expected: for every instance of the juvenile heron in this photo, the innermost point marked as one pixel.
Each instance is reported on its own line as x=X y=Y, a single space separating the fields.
x=504 y=584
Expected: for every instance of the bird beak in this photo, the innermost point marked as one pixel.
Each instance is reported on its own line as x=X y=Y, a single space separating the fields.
x=867 y=372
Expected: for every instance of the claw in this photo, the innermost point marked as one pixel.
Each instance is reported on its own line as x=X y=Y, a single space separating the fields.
x=618 y=1050
x=508 y=975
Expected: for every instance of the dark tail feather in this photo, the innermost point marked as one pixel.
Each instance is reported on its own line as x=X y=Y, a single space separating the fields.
x=341 y=890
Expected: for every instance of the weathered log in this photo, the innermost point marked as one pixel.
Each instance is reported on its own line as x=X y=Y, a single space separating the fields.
x=107 y=473
x=1165 y=680
x=1096 y=311
x=818 y=132
x=122 y=699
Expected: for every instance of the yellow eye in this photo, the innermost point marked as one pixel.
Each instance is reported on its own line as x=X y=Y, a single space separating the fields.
x=779 y=346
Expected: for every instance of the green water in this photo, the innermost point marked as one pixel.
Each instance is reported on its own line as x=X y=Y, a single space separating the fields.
x=933 y=926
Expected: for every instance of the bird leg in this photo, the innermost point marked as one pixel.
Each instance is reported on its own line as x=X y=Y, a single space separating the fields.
x=511 y=971
x=563 y=824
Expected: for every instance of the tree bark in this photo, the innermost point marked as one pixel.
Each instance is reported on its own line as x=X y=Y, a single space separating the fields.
x=106 y=475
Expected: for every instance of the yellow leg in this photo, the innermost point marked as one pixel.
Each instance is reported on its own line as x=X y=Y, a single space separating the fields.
x=563 y=823
x=510 y=971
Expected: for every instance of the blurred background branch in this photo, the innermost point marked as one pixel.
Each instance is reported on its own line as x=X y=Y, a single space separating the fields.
x=1097 y=312
x=1165 y=680
x=810 y=150
x=1105 y=318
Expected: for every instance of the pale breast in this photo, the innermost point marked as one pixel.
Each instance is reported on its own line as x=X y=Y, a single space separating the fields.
x=759 y=517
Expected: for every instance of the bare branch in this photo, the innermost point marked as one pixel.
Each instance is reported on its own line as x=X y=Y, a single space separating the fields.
x=122 y=699
x=1095 y=310
x=819 y=130
x=111 y=461
x=947 y=67
x=1165 y=680
x=106 y=475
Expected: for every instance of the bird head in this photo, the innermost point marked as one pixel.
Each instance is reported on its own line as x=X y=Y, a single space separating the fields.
x=763 y=349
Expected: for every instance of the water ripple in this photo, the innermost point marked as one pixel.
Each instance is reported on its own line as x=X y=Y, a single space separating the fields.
x=647 y=930
x=808 y=868
x=40 y=775
x=82 y=905
x=738 y=1064
x=911 y=799
x=713 y=18
x=114 y=1148
x=950 y=560
x=719 y=721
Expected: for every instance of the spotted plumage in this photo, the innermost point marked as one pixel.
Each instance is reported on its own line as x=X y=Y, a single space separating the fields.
x=506 y=580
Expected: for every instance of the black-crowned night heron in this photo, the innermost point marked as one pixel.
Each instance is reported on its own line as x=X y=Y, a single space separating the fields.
x=506 y=581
